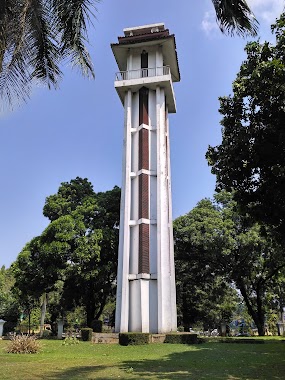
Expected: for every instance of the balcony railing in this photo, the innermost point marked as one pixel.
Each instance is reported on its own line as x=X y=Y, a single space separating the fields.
x=142 y=73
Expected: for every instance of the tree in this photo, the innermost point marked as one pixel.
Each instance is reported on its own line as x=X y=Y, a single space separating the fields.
x=93 y=257
x=40 y=265
x=250 y=159
x=202 y=299
x=78 y=248
x=36 y=36
x=70 y=195
x=204 y=295
x=97 y=277
x=217 y=241
x=9 y=307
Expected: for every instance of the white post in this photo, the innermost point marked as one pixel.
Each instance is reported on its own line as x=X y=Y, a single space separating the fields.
x=59 y=328
x=1 y=326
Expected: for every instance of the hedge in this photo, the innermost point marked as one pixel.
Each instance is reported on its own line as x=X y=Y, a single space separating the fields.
x=126 y=339
x=181 y=338
x=86 y=334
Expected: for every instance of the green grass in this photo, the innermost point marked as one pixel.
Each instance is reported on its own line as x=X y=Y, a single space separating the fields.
x=210 y=361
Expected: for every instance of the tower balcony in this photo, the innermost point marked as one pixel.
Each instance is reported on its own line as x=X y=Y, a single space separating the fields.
x=148 y=77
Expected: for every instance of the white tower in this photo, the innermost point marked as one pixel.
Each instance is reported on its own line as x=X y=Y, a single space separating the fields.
x=146 y=295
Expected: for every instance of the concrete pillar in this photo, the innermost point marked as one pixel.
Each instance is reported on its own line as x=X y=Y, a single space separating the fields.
x=281 y=328
x=223 y=328
x=1 y=326
x=122 y=300
x=59 y=328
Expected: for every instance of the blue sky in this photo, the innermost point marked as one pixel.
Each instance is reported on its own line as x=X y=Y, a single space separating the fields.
x=78 y=129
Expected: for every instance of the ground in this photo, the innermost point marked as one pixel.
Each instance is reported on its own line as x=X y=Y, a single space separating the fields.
x=213 y=361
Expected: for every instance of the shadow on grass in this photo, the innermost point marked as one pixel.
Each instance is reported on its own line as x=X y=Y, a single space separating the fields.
x=216 y=361
x=76 y=373
x=213 y=361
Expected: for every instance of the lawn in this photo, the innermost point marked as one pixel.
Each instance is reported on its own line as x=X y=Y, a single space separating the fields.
x=213 y=361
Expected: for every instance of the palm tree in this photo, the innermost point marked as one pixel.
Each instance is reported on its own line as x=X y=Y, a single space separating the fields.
x=37 y=35
x=235 y=16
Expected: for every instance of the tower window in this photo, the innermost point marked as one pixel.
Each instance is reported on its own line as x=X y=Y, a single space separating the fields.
x=144 y=63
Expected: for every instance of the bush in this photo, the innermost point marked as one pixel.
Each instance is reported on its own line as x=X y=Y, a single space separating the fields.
x=181 y=338
x=97 y=325
x=126 y=339
x=86 y=334
x=46 y=334
x=23 y=344
x=70 y=341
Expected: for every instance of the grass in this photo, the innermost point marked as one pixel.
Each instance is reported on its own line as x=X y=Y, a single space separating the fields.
x=212 y=361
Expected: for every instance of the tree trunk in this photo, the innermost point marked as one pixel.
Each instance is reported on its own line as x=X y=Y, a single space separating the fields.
x=90 y=312
x=29 y=323
x=43 y=313
x=258 y=314
x=260 y=328
x=101 y=308
x=260 y=324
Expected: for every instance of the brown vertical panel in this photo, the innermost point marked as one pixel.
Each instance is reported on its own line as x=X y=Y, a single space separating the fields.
x=144 y=228
x=144 y=248
x=143 y=181
x=143 y=196
x=143 y=106
x=143 y=149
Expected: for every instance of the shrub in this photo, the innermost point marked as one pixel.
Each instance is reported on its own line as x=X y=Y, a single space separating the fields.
x=126 y=339
x=97 y=325
x=86 y=334
x=181 y=338
x=46 y=334
x=23 y=344
x=70 y=340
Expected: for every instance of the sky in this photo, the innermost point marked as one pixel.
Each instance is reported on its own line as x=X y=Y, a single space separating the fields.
x=77 y=130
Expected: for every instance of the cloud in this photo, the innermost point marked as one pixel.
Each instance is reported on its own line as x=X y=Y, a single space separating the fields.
x=266 y=10
x=209 y=24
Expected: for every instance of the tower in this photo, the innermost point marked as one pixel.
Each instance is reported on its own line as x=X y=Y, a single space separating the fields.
x=146 y=295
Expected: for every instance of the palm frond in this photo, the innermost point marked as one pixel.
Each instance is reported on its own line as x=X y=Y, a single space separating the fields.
x=35 y=36
x=235 y=16
x=15 y=85
x=42 y=47
x=73 y=17
x=14 y=78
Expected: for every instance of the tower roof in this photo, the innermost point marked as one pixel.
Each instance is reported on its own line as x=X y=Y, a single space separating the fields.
x=147 y=35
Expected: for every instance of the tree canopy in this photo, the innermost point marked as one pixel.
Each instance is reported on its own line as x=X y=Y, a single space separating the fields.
x=213 y=241
x=9 y=307
x=79 y=247
x=251 y=159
